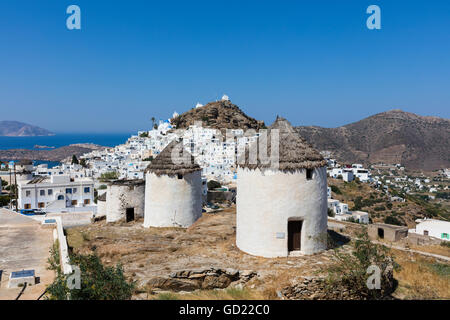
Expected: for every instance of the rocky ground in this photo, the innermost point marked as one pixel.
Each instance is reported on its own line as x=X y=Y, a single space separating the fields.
x=199 y=262
x=219 y=115
x=203 y=256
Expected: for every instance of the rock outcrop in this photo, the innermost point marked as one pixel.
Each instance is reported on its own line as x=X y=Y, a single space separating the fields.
x=316 y=288
x=219 y=115
x=210 y=278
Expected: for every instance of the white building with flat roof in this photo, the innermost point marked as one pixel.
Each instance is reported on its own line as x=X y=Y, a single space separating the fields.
x=56 y=193
x=432 y=227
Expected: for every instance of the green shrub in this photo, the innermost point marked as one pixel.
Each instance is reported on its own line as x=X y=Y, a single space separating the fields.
x=330 y=213
x=4 y=183
x=212 y=184
x=336 y=189
x=349 y=270
x=441 y=269
x=357 y=204
x=4 y=200
x=445 y=244
x=393 y=220
x=443 y=195
x=113 y=175
x=97 y=281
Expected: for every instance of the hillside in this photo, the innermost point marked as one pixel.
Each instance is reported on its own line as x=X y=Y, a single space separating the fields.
x=391 y=137
x=220 y=115
x=20 y=129
x=365 y=197
x=57 y=154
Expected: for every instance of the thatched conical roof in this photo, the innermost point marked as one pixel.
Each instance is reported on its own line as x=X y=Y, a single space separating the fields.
x=294 y=152
x=173 y=160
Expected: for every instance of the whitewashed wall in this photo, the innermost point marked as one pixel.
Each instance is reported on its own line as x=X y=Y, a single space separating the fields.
x=172 y=202
x=121 y=197
x=101 y=208
x=265 y=202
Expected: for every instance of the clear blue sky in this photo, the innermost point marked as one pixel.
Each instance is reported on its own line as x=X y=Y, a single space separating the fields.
x=313 y=62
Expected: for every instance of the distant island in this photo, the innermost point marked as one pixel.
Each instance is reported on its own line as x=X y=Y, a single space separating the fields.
x=20 y=129
x=57 y=154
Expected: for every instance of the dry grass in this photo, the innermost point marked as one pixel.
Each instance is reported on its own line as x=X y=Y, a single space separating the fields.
x=421 y=278
x=436 y=249
x=215 y=294
x=210 y=242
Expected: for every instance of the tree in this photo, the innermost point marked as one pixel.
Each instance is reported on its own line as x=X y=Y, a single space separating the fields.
x=74 y=159
x=212 y=184
x=12 y=188
x=97 y=281
x=112 y=175
x=83 y=163
x=153 y=122
x=4 y=200
x=330 y=213
x=4 y=183
x=393 y=220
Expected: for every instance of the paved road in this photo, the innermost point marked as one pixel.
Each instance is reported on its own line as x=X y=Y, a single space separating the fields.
x=24 y=244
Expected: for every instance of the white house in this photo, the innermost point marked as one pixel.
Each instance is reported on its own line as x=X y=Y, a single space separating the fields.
x=357 y=216
x=360 y=216
x=432 y=227
x=337 y=206
x=361 y=173
x=56 y=193
x=345 y=173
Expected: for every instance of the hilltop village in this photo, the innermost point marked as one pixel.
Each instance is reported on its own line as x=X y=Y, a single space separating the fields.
x=181 y=191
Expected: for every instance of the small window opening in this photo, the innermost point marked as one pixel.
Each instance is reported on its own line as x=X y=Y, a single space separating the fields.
x=180 y=176
x=309 y=174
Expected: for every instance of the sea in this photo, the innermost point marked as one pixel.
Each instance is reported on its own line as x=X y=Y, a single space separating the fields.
x=62 y=139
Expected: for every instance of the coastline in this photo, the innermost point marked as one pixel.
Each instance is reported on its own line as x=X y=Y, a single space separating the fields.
x=62 y=140
x=57 y=154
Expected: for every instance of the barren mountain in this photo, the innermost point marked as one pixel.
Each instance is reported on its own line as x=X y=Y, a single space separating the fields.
x=219 y=115
x=391 y=137
x=20 y=129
